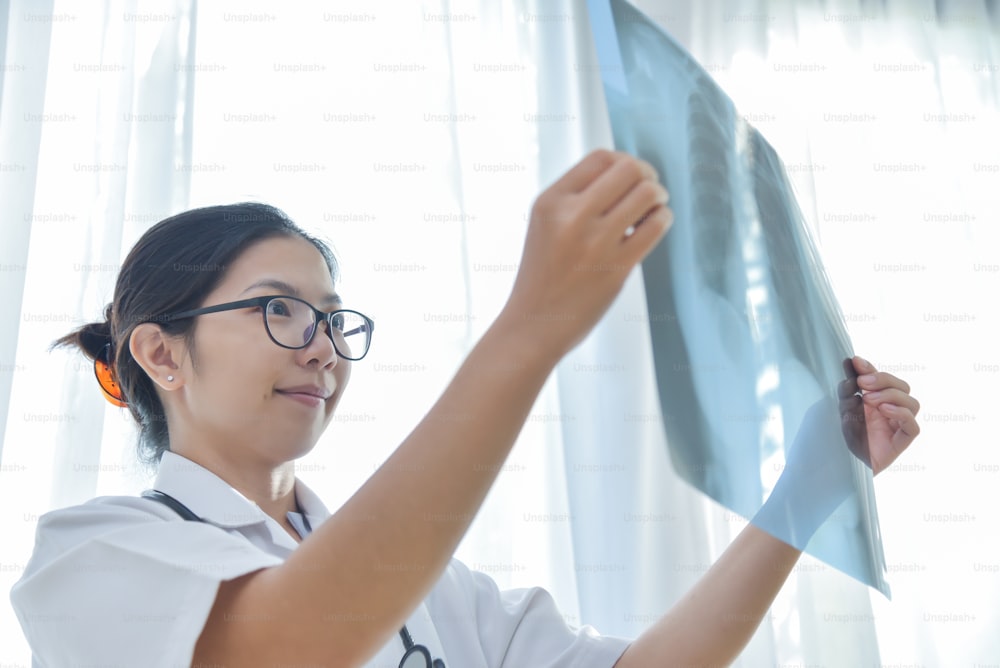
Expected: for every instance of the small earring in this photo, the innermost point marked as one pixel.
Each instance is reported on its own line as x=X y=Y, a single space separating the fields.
x=170 y=379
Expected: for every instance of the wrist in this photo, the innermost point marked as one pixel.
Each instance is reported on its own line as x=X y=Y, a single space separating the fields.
x=796 y=509
x=536 y=340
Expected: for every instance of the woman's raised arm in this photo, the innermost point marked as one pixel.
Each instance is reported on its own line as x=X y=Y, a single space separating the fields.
x=350 y=586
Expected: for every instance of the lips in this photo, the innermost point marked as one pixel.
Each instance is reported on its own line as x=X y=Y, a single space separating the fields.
x=315 y=391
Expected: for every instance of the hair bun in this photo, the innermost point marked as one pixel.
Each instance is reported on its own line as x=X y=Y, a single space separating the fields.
x=92 y=337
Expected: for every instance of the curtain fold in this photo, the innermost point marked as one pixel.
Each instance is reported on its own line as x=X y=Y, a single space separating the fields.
x=24 y=57
x=96 y=122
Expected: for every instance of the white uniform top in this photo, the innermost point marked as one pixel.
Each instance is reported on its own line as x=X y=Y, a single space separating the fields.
x=125 y=581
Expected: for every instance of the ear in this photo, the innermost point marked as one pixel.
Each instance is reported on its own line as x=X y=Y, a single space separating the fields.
x=156 y=353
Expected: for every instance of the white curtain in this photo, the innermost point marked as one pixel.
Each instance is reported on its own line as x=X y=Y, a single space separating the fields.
x=94 y=116
x=414 y=137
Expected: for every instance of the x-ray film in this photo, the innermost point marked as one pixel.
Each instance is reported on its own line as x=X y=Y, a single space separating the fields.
x=758 y=395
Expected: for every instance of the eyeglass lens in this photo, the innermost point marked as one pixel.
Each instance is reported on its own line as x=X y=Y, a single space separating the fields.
x=291 y=322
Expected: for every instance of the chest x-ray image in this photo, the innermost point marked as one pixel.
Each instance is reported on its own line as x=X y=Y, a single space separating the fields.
x=752 y=358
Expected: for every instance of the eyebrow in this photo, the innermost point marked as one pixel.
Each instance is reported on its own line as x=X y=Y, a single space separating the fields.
x=292 y=291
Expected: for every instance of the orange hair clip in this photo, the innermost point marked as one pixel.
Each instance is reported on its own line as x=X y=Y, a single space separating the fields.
x=106 y=378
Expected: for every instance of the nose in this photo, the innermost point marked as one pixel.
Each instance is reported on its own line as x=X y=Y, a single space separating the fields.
x=321 y=348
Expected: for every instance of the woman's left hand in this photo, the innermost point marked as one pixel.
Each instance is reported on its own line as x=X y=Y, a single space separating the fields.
x=890 y=414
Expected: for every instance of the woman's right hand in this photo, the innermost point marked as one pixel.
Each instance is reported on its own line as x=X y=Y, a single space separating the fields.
x=586 y=233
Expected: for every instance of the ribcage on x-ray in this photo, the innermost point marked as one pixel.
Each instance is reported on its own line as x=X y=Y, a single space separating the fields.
x=711 y=204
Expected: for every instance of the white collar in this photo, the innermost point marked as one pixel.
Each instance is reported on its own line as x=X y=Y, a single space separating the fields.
x=216 y=501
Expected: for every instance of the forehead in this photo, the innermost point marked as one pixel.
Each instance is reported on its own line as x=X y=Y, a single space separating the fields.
x=291 y=260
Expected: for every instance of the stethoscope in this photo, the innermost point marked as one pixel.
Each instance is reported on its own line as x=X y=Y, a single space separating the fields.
x=417 y=656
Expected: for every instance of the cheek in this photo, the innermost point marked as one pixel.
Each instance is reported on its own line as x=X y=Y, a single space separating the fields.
x=234 y=374
x=343 y=375
x=231 y=394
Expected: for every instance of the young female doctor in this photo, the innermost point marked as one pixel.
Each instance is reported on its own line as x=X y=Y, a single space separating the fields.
x=227 y=341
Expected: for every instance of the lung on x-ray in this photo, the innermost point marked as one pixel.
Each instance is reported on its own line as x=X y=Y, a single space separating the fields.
x=751 y=353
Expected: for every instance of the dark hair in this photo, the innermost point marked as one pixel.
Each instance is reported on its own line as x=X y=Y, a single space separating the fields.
x=173 y=267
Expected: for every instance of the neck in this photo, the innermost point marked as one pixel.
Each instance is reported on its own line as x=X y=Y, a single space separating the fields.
x=271 y=486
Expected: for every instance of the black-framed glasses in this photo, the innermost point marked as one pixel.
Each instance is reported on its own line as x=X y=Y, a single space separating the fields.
x=292 y=323
x=416 y=656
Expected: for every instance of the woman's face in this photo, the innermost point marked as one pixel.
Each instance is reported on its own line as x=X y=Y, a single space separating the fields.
x=248 y=393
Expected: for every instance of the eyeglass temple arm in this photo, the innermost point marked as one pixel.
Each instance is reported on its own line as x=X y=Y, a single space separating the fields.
x=370 y=325
x=354 y=331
